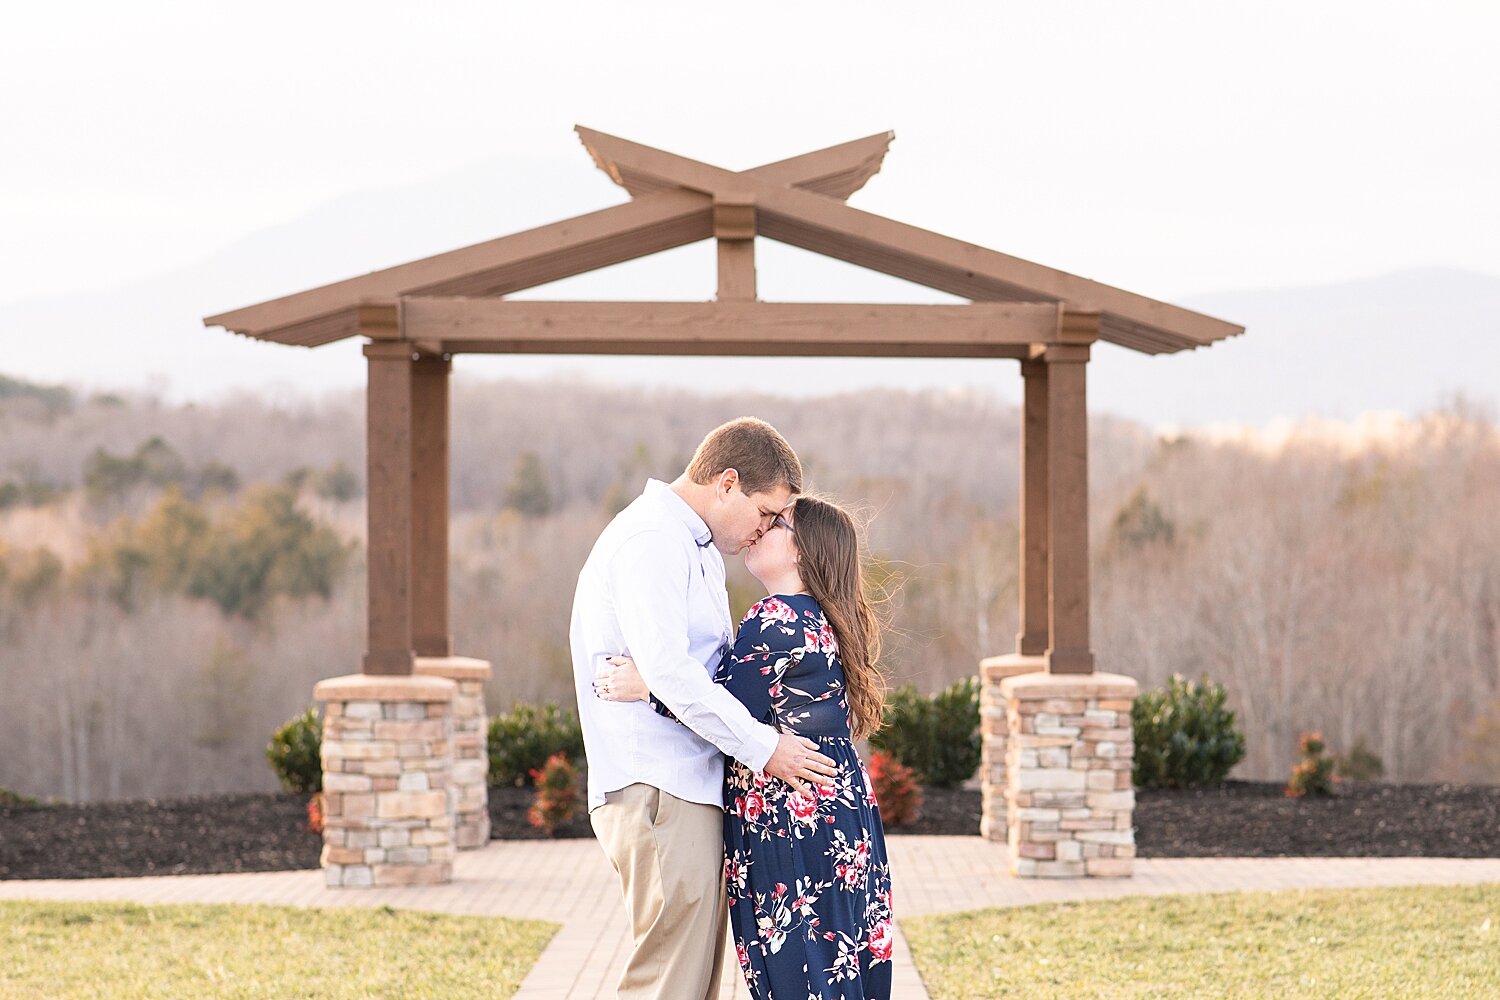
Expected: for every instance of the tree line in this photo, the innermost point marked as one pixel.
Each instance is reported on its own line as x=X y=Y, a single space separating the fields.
x=174 y=579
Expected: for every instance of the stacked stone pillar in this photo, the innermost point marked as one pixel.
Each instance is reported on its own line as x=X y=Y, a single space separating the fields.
x=387 y=779
x=1069 y=755
x=471 y=758
x=994 y=728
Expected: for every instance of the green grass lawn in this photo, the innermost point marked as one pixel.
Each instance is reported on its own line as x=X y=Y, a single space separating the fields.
x=1441 y=942
x=107 y=950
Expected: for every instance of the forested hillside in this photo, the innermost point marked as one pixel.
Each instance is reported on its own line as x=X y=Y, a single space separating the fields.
x=173 y=580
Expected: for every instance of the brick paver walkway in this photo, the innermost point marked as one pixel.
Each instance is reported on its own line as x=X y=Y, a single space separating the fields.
x=569 y=882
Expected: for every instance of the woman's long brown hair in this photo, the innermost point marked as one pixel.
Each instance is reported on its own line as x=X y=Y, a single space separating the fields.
x=828 y=545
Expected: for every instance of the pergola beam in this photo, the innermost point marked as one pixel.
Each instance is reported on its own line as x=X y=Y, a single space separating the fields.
x=660 y=217
x=833 y=229
x=522 y=260
x=834 y=172
x=732 y=328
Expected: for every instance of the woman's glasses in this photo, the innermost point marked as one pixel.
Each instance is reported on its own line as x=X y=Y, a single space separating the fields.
x=782 y=522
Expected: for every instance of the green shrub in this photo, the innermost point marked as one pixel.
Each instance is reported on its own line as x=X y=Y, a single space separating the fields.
x=295 y=755
x=936 y=737
x=1184 y=736
x=1360 y=763
x=10 y=798
x=523 y=740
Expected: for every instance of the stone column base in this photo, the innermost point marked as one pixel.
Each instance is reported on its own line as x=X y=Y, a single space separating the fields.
x=1069 y=794
x=387 y=776
x=471 y=753
x=994 y=729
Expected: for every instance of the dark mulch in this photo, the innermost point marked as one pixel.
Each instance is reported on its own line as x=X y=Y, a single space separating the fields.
x=246 y=833
x=508 y=809
x=1370 y=820
x=209 y=833
x=945 y=811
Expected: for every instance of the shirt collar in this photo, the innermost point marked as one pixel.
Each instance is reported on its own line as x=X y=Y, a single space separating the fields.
x=665 y=495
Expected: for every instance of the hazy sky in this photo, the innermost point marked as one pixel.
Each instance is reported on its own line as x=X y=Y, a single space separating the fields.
x=1170 y=148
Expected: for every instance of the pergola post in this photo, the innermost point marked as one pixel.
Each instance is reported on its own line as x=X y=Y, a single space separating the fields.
x=391 y=473
x=1033 y=638
x=1031 y=641
x=468 y=792
x=1069 y=802
x=734 y=235
x=429 y=522
x=1067 y=472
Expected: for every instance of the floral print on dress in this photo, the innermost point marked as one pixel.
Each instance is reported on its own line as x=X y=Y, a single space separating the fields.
x=807 y=875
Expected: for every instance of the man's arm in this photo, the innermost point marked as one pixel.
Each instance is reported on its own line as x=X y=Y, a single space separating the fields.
x=649 y=578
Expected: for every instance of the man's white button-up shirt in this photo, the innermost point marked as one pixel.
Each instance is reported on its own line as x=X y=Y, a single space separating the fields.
x=653 y=589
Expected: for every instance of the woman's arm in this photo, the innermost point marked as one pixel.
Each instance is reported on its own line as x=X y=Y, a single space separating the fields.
x=752 y=671
x=621 y=681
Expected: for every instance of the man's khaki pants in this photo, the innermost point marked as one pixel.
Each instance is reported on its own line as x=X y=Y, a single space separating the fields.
x=669 y=856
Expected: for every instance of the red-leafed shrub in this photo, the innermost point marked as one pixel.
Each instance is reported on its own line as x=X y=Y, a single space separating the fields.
x=897 y=793
x=557 y=798
x=315 y=813
x=1314 y=774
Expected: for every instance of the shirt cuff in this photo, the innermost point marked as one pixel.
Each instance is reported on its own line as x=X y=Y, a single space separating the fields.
x=759 y=747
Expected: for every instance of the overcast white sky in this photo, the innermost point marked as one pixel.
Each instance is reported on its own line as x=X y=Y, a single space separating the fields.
x=1169 y=148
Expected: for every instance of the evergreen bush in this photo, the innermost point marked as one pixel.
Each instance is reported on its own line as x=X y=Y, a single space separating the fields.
x=521 y=741
x=1360 y=763
x=295 y=754
x=937 y=737
x=1184 y=736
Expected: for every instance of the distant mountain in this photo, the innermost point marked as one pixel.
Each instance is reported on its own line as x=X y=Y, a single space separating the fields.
x=1402 y=341
x=151 y=332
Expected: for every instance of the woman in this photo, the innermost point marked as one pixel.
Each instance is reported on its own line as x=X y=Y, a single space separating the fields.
x=807 y=877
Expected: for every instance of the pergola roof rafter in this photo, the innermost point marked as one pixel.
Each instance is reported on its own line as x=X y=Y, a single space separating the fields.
x=659 y=217
x=834 y=229
x=676 y=201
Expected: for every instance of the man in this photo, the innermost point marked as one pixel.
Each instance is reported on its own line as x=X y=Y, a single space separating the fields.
x=653 y=588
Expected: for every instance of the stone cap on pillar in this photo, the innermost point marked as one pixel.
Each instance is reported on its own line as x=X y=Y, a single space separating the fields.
x=384 y=687
x=1033 y=687
x=994 y=669
x=457 y=668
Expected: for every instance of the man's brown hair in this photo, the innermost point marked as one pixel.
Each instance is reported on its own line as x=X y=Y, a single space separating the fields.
x=754 y=449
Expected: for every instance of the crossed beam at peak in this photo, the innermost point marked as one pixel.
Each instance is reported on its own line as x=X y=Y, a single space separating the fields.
x=835 y=172
x=800 y=201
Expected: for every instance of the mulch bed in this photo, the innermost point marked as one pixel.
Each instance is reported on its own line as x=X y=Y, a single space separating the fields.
x=200 y=834
x=247 y=833
x=1368 y=820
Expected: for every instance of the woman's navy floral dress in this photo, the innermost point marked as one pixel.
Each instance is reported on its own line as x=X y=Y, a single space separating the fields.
x=807 y=875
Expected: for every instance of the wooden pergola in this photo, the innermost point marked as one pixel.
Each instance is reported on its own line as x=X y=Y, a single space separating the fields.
x=417 y=315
